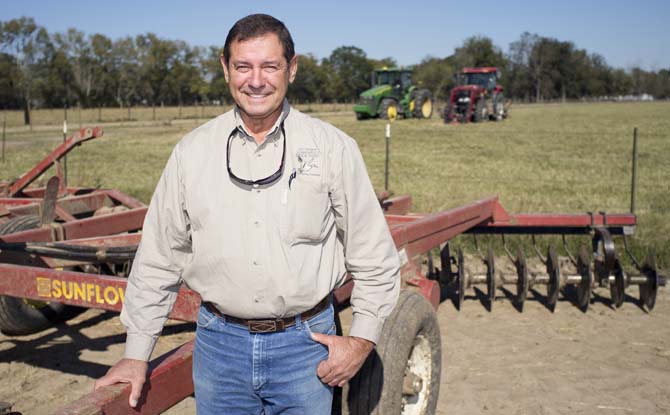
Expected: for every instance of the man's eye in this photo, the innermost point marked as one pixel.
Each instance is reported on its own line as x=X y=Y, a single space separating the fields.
x=271 y=68
x=243 y=68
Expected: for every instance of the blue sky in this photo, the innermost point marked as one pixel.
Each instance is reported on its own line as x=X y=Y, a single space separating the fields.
x=626 y=33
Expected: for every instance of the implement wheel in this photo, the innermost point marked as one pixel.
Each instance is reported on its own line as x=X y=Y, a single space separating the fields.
x=20 y=316
x=402 y=375
x=388 y=109
x=423 y=104
x=481 y=112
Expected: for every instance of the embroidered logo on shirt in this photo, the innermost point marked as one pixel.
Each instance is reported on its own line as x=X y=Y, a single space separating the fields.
x=309 y=161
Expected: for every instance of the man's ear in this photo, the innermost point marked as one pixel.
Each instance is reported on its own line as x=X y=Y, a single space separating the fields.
x=224 y=64
x=292 y=68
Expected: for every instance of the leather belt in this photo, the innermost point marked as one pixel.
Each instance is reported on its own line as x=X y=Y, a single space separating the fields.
x=269 y=325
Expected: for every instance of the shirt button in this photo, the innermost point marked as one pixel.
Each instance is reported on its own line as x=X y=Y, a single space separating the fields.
x=257 y=223
x=258 y=155
x=255 y=262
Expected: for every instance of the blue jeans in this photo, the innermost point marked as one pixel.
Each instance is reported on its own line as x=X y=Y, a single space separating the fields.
x=237 y=372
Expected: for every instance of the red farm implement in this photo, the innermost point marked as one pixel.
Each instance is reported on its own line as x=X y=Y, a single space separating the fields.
x=73 y=247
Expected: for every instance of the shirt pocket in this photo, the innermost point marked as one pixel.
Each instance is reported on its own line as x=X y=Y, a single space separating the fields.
x=306 y=211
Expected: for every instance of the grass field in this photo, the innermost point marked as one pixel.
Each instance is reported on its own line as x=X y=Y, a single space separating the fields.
x=563 y=158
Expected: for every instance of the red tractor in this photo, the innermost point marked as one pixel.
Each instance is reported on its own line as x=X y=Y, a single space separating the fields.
x=478 y=97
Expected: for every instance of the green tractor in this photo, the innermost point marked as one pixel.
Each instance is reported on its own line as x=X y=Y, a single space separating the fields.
x=393 y=94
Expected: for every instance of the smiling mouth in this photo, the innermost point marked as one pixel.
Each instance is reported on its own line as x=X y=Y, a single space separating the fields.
x=257 y=96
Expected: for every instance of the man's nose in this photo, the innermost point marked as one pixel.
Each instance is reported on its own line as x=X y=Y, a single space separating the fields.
x=256 y=79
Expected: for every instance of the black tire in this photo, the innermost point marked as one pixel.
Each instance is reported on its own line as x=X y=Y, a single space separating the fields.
x=17 y=315
x=499 y=107
x=410 y=342
x=481 y=113
x=423 y=104
x=387 y=105
x=447 y=114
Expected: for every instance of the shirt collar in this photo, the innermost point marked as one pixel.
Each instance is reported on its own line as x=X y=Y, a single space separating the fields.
x=274 y=132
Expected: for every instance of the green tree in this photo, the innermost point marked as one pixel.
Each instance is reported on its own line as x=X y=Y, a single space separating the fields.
x=25 y=41
x=436 y=75
x=127 y=76
x=103 y=70
x=478 y=51
x=309 y=82
x=348 y=71
x=10 y=92
x=214 y=77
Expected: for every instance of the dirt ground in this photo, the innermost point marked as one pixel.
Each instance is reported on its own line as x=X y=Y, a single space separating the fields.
x=604 y=361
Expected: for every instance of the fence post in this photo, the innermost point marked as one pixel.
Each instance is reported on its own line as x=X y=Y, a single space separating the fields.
x=4 y=126
x=64 y=139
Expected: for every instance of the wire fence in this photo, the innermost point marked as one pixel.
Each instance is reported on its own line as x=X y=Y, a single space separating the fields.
x=78 y=116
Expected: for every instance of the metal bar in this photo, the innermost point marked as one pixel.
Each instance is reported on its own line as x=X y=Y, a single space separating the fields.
x=64 y=215
x=399 y=205
x=38 y=192
x=169 y=381
x=124 y=199
x=634 y=178
x=74 y=205
x=12 y=201
x=96 y=226
x=81 y=289
x=81 y=136
x=563 y=220
x=432 y=230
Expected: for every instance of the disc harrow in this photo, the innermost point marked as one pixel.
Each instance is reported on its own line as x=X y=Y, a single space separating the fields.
x=590 y=269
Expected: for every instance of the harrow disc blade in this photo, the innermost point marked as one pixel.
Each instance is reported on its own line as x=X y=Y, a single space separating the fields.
x=617 y=288
x=491 y=276
x=522 y=281
x=584 y=286
x=554 y=278
x=650 y=288
x=461 y=279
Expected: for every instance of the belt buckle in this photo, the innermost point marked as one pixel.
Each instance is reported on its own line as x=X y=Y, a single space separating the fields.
x=265 y=326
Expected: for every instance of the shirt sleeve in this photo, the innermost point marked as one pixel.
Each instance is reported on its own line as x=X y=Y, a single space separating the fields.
x=369 y=251
x=163 y=252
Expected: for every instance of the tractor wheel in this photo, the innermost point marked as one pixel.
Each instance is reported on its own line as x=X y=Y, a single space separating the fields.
x=481 y=113
x=402 y=375
x=499 y=107
x=448 y=115
x=388 y=110
x=21 y=316
x=423 y=104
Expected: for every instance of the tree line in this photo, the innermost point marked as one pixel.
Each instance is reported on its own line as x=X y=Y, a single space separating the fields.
x=42 y=69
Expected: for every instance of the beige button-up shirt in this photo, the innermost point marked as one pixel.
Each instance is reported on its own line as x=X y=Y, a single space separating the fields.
x=262 y=251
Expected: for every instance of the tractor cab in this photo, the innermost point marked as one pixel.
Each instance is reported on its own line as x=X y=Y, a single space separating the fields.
x=485 y=80
x=397 y=78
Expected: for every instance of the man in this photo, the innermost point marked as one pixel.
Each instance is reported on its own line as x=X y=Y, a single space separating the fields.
x=262 y=211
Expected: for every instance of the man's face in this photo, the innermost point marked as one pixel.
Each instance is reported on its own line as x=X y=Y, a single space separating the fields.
x=258 y=76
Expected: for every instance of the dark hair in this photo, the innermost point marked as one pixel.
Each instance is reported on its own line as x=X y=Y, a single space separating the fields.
x=256 y=25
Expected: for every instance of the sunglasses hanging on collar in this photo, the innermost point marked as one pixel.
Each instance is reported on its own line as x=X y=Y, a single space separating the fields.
x=260 y=182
